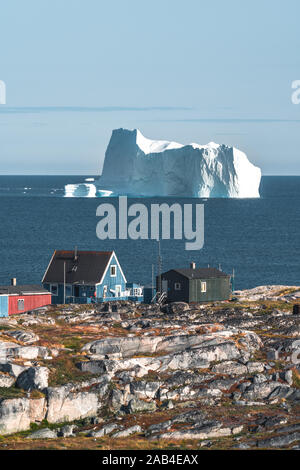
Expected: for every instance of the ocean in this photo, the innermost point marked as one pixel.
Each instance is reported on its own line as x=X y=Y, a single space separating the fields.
x=258 y=238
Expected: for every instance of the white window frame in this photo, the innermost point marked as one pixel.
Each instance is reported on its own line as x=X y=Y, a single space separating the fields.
x=23 y=301
x=203 y=287
x=177 y=286
x=51 y=285
x=105 y=289
x=110 y=269
x=137 y=291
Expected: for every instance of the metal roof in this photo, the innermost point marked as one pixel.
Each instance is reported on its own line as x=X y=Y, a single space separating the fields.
x=27 y=289
x=200 y=273
x=85 y=267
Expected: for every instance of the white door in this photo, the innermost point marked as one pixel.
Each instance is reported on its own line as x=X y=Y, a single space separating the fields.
x=118 y=291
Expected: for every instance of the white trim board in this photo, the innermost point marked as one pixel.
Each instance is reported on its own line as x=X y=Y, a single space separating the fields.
x=48 y=265
x=107 y=266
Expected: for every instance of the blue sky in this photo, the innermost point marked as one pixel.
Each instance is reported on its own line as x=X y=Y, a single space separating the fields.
x=191 y=71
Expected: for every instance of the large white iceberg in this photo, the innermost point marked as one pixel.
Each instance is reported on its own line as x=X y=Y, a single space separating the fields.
x=137 y=166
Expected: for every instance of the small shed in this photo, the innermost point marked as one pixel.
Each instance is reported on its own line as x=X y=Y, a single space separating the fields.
x=194 y=284
x=19 y=299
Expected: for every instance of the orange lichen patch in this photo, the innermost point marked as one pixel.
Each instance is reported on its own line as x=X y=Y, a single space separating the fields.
x=9 y=339
x=209 y=329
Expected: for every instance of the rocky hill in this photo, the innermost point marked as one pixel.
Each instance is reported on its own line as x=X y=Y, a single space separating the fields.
x=123 y=375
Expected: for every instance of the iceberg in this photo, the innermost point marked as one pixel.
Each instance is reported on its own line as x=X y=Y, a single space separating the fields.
x=137 y=166
x=80 y=190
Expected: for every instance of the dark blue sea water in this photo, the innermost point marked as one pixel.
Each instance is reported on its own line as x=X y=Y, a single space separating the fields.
x=259 y=238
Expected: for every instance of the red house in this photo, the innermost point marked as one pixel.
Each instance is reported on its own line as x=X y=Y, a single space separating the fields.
x=19 y=299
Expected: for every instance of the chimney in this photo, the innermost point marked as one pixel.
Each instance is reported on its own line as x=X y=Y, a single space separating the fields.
x=13 y=281
x=193 y=265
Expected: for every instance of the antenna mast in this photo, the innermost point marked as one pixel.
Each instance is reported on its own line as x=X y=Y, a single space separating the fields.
x=64 y=282
x=152 y=282
x=159 y=267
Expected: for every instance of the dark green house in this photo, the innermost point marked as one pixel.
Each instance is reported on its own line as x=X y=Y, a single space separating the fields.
x=194 y=284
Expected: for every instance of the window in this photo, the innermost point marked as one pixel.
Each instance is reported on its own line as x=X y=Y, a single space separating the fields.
x=113 y=270
x=177 y=286
x=104 y=291
x=137 y=291
x=203 y=286
x=68 y=291
x=20 y=305
x=54 y=289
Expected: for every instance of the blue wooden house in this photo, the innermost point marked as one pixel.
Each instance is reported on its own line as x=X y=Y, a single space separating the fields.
x=86 y=277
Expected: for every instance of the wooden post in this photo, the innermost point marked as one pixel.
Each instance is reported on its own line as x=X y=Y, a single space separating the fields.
x=64 y=282
x=159 y=268
x=152 y=282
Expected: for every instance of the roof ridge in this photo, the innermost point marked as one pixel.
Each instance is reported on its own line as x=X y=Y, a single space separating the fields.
x=84 y=251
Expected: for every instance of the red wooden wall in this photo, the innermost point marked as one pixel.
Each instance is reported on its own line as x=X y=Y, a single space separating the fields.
x=30 y=302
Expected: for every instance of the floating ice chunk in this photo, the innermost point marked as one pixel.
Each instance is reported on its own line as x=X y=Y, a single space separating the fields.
x=80 y=190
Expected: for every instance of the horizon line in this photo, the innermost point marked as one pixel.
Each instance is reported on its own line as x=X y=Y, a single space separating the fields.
x=98 y=109
x=92 y=175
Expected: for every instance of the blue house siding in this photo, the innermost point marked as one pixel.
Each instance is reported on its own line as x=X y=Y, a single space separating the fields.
x=3 y=305
x=111 y=281
x=73 y=293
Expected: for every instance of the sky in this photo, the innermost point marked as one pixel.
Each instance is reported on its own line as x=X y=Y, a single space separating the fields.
x=187 y=71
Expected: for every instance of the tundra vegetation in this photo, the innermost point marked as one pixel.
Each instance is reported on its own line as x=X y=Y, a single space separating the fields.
x=122 y=375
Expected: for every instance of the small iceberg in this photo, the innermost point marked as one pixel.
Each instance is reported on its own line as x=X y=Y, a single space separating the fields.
x=80 y=190
x=85 y=190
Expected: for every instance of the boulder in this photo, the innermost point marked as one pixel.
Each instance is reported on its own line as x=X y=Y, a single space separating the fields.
x=67 y=431
x=176 y=308
x=94 y=367
x=37 y=409
x=125 y=347
x=27 y=352
x=117 y=399
x=254 y=366
x=128 y=432
x=279 y=441
x=33 y=378
x=6 y=380
x=13 y=369
x=212 y=429
x=135 y=406
x=107 y=429
x=5 y=346
x=144 y=390
x=14 y=415
x=45 y=433
x=65 y=403
x=258 y=391
x=27 y=337
x=230 y=368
